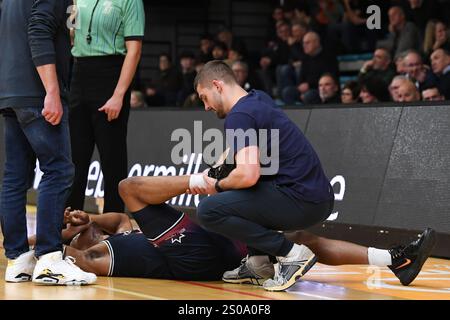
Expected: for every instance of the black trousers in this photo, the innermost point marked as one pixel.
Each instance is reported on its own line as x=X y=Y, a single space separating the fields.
x=254 y=216
x=93 y=83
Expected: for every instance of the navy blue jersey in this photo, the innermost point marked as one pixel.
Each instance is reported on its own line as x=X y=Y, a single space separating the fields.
x=299 y=168
x=183 y=252
x=132 y=255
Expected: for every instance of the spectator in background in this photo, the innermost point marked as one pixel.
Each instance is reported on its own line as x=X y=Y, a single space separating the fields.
x=408 y=92
x=421 y=11
x=374 y=90
x=403 y=35
x=315 y=64
x=417 y=71
x=432 y=94
x=243 y=76
x=206 y=46
x=329 y=89
x=436 y=36
x=187 y=66
x=168 y=84
x=440 y=63
x=153 y=98
x=219 y=51
x=137 y=100
x=400 y=62
x=379 y=67
x=234 y=55
x=277 y=17
x=231 y=41
x=395 y=84
x=350 y=92
x=266 y=72
x=289 y=74
x=280 y=46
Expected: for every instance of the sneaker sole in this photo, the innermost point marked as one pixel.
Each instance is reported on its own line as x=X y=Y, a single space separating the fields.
x=425 y=251
x=52 y=282
x=250 y=281
x=20 y=278
x=300 y=273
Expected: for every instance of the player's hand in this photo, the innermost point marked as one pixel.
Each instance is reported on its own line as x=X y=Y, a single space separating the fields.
x=78 y=218
x=53 y=110
x=112 y=107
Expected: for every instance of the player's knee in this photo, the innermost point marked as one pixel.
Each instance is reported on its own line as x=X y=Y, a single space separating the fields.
x=206 y=211
x=128 y=187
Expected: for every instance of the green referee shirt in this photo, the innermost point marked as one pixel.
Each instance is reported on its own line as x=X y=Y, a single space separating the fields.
x=112 y=22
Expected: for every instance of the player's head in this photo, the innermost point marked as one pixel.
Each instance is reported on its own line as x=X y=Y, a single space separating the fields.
x=210 y=83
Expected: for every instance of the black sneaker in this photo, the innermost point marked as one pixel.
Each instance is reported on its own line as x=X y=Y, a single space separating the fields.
x=407 y=261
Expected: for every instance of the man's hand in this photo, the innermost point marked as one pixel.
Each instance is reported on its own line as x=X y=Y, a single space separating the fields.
x=209 y=189
x=53 y=110
x=112 y=107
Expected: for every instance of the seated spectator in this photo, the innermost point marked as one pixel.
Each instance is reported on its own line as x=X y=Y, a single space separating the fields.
x=403 y=35
x=137 y=100
x=432 y=94
x=243 y=78
x=169 y=81
x=329 y=89
x=315 y=63
x=407 y=92
x=378 y=67
x=280 y=46
x=266 y=73
x=153 y=98
x=231 y=41
x=206 y=46
x=234 y=55
x=400 y=67
x=395 y=84
x=219 y=51
x=187 y=66
x=436 y=36
x=440 y=63
x=350 y=92
x=374 y=90
x=417 y=71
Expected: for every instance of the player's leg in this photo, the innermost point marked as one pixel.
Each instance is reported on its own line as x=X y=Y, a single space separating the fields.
x=331 y=252
x=139 y=192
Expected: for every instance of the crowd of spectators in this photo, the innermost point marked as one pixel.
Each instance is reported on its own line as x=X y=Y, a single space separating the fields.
x=299 y=63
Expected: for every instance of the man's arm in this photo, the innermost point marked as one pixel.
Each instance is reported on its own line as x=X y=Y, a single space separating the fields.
x=111 y=222
x=43 y=24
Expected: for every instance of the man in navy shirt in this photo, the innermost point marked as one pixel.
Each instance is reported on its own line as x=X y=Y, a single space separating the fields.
x=289 y=192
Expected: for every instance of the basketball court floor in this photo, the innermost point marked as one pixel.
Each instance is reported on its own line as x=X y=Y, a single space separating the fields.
x=320 y=283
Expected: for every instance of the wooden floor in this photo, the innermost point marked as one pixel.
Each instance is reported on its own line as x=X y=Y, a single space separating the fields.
x=321 y=282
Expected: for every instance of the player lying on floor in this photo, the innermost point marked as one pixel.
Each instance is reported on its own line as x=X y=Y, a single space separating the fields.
x=168 y=245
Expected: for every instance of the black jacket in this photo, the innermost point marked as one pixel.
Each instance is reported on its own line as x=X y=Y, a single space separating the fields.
x=33 y=33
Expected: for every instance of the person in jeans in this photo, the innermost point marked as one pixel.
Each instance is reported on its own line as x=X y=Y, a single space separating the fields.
x=107 y=49
x=34 y=68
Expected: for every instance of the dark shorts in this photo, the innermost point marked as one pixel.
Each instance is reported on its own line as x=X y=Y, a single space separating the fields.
x=183 y=252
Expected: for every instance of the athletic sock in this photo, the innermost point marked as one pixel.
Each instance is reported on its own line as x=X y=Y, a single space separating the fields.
x=378 y=257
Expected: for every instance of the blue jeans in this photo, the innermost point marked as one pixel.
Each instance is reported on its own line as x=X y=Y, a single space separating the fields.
x=27 y=137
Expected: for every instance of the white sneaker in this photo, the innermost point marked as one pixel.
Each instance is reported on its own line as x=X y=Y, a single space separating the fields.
x=52 y=269
x=290 y=268
x=21 y=268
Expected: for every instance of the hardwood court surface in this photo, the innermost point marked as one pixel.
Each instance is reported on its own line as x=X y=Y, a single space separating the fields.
x=321 y=282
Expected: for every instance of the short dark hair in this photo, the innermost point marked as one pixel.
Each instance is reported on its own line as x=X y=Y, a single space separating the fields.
x=354 y=87
x=214 y=70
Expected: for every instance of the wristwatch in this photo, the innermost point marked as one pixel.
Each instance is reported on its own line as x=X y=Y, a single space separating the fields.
x=218 y=188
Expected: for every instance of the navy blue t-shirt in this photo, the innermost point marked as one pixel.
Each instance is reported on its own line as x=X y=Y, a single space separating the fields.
x=299 y=168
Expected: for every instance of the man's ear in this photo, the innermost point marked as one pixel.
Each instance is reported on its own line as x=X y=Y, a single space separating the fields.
x=218 y=85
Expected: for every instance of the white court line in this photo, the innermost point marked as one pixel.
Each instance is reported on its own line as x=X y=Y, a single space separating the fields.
x=312 y=295
x=129 y=292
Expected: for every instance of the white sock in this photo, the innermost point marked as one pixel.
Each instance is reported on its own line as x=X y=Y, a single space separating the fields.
x=196 y=180
x=378 y=257
x=295 y=251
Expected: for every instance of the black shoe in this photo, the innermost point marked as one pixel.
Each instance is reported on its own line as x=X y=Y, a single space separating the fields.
x=407 y=261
